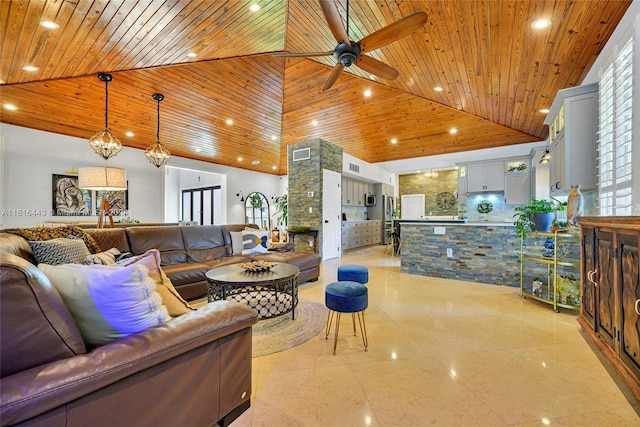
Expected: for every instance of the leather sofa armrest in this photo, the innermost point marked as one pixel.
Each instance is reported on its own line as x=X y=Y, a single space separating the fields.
x=42 y=388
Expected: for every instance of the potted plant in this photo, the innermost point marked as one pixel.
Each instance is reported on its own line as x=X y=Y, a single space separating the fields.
x=281 y=210
x=536 y=215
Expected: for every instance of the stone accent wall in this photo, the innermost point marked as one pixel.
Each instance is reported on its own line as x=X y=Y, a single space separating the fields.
x=484 y=254
x=306 y=176
x=417 y=183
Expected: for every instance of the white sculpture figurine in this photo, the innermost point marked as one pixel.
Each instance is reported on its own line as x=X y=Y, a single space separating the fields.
x=574 y=206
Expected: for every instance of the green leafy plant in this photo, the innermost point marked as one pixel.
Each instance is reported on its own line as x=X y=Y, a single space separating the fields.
x=281 y=209
x=484 y=206
x=256 y=201
x=524 y=214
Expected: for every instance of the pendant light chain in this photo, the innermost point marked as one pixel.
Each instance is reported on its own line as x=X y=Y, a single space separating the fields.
x=104 y=143
x=157 y=153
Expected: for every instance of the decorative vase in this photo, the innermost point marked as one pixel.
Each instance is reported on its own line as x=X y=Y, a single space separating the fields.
x=542 y=221
x=574 y=206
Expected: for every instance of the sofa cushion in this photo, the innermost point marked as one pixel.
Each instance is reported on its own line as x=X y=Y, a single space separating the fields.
x=167 y=239
x=181 y=274
x=35 y=324
x=59 y=251
x=254 y=242
x=228 y=228
x=108 y=238
x=171 y=299
x=103 y=258
x=204 y=242
x=108 y=302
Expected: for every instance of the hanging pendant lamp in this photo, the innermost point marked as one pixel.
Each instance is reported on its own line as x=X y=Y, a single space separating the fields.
x=104 y=142
x=157 y=153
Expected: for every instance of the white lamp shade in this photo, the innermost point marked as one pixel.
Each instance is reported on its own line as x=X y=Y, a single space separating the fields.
x=102 y=179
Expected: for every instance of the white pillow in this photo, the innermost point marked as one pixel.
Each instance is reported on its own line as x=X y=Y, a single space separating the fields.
x=108 y=302
x=104 y=258
x=171 y=299
x=236 y=242
x=254 y=242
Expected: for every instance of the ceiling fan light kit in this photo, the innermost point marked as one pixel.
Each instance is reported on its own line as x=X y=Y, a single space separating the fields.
x=348 y=53
x=104 y=143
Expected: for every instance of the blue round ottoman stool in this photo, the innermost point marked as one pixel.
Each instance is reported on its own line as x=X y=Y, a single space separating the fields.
x=346 y=297
x=353 y=273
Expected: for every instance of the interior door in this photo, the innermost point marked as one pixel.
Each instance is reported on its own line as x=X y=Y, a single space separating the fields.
x=331 y=214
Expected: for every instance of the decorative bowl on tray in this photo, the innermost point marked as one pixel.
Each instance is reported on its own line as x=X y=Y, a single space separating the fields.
x=257 y=266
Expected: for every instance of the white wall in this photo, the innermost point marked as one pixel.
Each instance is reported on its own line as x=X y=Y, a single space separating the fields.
x=31 y=157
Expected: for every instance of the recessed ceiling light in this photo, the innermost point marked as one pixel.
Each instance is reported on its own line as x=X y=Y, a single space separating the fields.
x=192 y=54
x=255 y=162
x=544 y=111
x=314 y=123
x=10 y=107
x=438 y=89
x=453 y=130
x=394 y=141
x=274 y=167
x=254 y=7
x=367 y=92
x=30 y=68
x=198 y=149
x=239 y=159
x=229 y=121
x=129 y=134
x=49 y=24
x=273 y=137
x=539 y=24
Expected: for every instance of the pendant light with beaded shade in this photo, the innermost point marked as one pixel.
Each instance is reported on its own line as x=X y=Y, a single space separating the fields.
x=104 y=142
x=157 y=153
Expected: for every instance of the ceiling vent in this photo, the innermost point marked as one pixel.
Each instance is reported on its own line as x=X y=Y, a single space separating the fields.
x=301 y=154
x=354 y=168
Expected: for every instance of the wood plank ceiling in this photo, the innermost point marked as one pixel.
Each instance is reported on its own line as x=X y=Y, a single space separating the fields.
x=495 y=70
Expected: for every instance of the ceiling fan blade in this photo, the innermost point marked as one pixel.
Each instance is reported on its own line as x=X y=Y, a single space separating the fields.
x=301 y=54
x=333 y=18
x=393 y=32
x=333 y=76
x=377 y=68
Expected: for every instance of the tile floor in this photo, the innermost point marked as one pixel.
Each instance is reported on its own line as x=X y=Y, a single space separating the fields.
x=441 y=353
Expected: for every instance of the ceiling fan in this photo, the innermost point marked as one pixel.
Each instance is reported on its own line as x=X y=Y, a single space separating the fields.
x=348 y=52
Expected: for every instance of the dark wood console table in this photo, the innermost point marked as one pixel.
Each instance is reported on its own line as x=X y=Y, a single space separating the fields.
x=610 y=292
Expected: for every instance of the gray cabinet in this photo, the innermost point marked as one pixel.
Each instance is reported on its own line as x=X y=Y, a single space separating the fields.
x=356 y=234
x=484 y=177
x=573 y=120
x=517 y=188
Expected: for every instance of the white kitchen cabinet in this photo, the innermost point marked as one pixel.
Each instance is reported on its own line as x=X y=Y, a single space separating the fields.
x=573 y=156
x=517 y=188
x=485 y=177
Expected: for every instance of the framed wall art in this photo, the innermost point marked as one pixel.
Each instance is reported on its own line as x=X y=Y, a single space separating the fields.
x=117 y=199
x=67 y=198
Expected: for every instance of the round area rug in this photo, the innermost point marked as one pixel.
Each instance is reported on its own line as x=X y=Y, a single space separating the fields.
x=280 y=333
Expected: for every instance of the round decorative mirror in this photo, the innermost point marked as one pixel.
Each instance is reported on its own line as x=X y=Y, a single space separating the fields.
x=257 y=210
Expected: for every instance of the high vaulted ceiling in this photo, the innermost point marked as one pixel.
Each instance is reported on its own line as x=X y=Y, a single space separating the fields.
x=497 y=72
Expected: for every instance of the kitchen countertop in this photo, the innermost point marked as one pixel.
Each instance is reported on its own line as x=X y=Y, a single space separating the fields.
x=457 y=222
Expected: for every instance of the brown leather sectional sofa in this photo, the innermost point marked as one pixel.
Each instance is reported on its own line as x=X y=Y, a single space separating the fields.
x=193 y=370
x=187 y=253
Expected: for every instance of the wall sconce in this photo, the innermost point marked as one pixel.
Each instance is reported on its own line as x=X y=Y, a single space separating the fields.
x=239 y=194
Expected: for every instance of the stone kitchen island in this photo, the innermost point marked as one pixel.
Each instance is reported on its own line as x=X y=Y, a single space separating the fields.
x=481 y=252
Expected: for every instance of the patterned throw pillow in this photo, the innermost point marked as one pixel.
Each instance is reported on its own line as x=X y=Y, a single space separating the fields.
x=104 y=258
x=108 y=301
x=59 y=251
x=254 y=242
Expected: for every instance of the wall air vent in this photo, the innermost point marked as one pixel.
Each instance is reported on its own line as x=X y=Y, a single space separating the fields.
x=301 y=154
x=354 y=168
